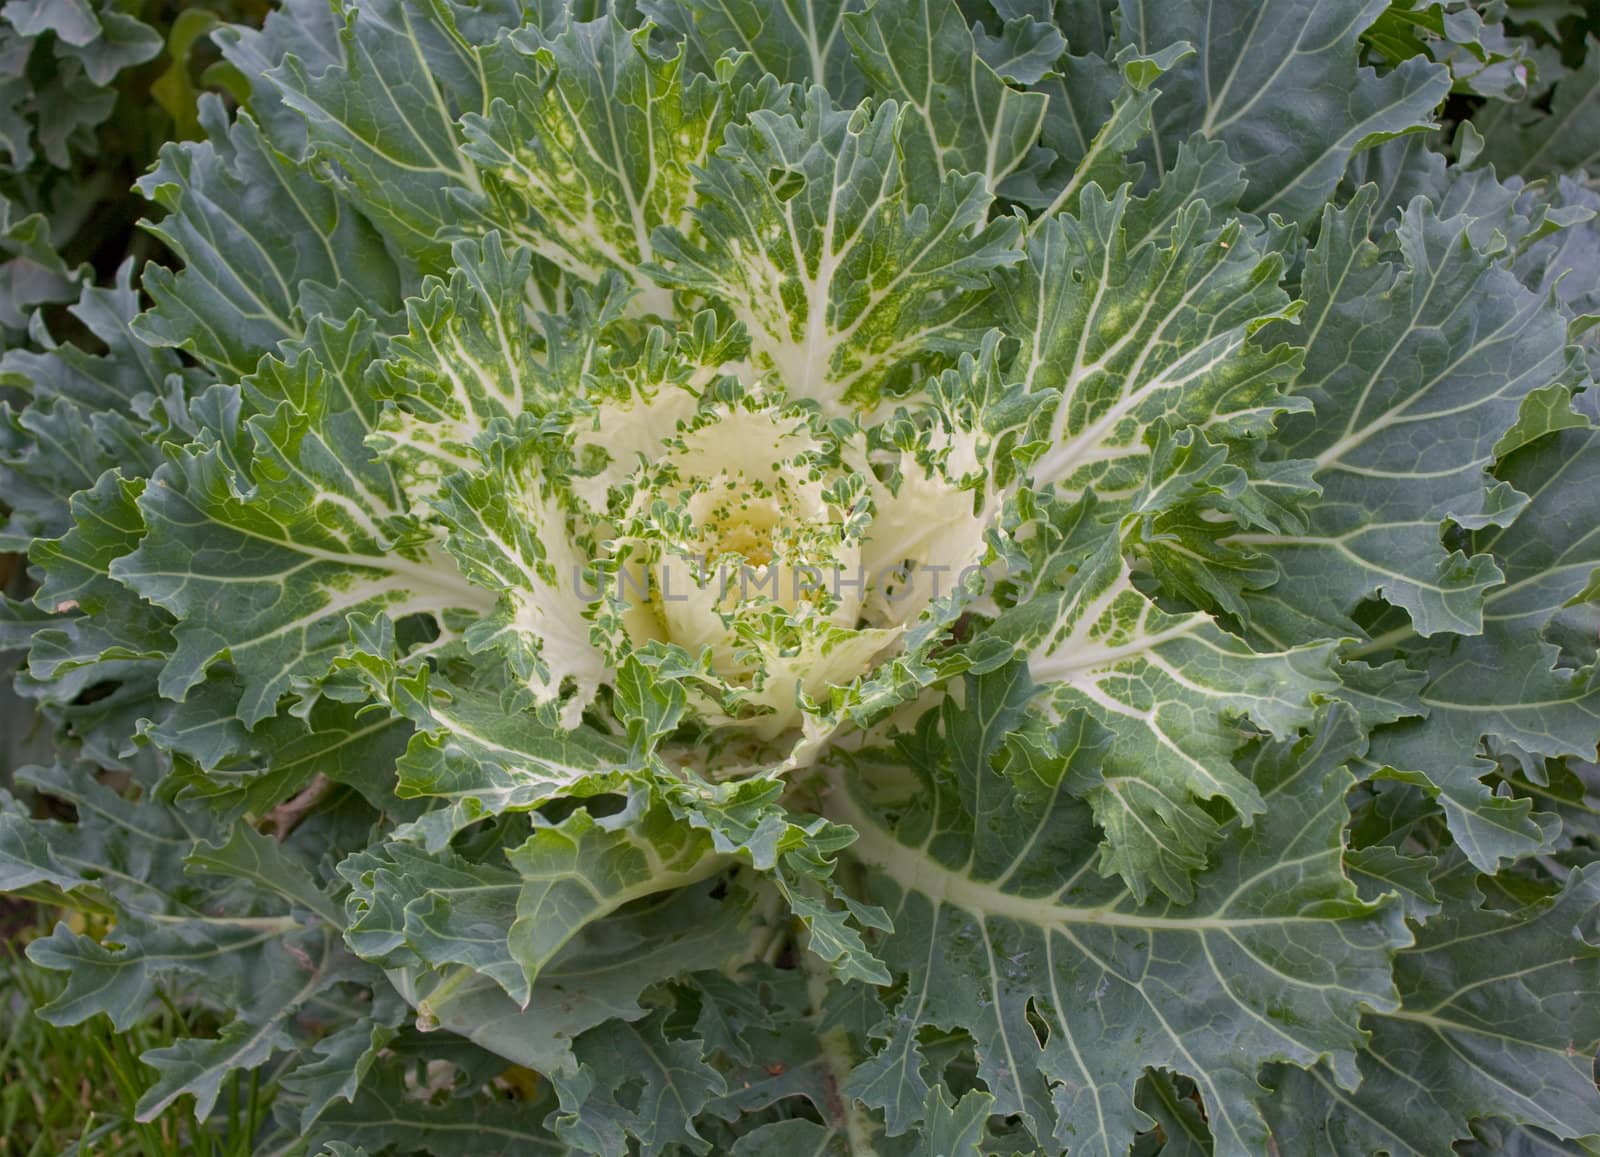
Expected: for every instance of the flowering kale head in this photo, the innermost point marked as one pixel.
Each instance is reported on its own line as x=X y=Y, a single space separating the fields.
x=774 y=563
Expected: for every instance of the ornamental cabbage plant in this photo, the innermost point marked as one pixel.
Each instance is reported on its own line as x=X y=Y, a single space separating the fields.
x=827 y=577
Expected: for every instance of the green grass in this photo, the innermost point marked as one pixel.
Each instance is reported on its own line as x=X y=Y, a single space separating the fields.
x=72 y=1090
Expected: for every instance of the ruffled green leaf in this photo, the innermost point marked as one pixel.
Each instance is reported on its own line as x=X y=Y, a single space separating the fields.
x=1002 y=926
x=1282 y=87
x=1421 y=351
x=1496 y=1020
x=1509 y=681
x=960 y=117
x=843 y=271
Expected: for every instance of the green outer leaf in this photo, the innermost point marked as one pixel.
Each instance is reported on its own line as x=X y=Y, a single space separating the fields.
x=1564 y=140
x=249 y=855
x=581 y=869
x=812 y=236
x=385 y=1113
x=1483 y=59
x=1169 y=691
x=387 y=113
x=1508 y=683
x=1420 y=353
x=132 y=851
x=482 y=761
x=1170 y=1103
x=987 y=878
x=1279 y=83
x=1499 y=1017
x=595 y=150
x=668 y=1082
x=1096 y=117
x=800 y=42
x=253 y=229
x=1135 y=311
x=959 y=116
x=343 y=1061
x=602 y=973
x=198 y=1067
x=262 y=575
x=956 y=1130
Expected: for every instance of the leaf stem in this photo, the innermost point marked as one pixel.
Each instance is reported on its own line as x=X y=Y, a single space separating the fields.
x=845 y=1112
x=428 y=1006
x=1383 y=642
x=770 y=931
x=265 y=923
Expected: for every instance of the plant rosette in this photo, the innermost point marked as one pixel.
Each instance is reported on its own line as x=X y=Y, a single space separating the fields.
x=884 y=578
